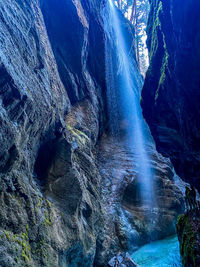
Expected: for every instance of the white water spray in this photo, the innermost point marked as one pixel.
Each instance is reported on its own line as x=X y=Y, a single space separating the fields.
x=124 y=102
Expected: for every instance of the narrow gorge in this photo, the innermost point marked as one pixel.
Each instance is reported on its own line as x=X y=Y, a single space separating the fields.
x=99 y=133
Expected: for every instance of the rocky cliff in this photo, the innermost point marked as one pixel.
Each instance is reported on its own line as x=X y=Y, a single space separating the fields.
x=61 y=203
x=50 y=211
x=170 y=96
x=170 y=100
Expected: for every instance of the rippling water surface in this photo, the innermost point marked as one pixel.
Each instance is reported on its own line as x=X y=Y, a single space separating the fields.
x=163 y=253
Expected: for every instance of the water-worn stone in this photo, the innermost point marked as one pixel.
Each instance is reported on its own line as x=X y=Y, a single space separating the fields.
x=129 y=223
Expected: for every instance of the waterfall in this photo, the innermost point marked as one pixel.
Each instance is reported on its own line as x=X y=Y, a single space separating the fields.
x=124 y=84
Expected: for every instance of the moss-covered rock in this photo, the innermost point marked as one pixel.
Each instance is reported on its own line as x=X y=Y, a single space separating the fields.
x=170 y=96
x=49 y=181
x=188 y=229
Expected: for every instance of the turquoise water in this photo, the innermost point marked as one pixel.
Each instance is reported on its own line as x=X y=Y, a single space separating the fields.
x=162 y=253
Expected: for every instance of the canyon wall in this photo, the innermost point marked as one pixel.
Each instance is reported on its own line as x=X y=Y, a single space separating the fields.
x=50 y=211
x=170 y=101
x=55 y=173
x=171 y=95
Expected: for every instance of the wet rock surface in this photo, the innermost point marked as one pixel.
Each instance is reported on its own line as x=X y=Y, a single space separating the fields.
x=76 y=34
x=62 y=203
x=170 y=97
x=50 y=212
x=129 y=223
x=122 y=260
x=170 y=100
x=188 y=229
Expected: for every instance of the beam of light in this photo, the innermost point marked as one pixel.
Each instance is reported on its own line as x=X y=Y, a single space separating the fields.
x=124 y=102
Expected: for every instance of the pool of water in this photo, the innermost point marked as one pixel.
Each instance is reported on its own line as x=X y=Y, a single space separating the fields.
x=162 y=253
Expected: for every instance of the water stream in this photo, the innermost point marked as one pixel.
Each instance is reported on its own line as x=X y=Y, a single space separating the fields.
x=162 y=253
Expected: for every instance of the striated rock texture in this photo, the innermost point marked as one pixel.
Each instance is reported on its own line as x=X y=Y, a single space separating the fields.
x=61 y=203
x=188 y=229
x=50 y=212
x=128 y=222
x=77 y=40
x=171 y=95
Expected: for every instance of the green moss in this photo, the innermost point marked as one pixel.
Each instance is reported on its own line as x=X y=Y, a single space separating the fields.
x=154 y=31
x=158 y=42
x=158 y=53
x=7 y=234
x=48 y=203
x=78 y=136
x=19 y=242
x=26 y=258
x=40 y=200
x=48 y=220
x=163 y=70
x=23 y=241
x=26 y=249
x=41 y=249
x=47 y=206
x=188 y=240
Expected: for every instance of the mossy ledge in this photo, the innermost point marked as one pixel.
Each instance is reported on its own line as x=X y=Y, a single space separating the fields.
x=20 y=243
x=188 y=229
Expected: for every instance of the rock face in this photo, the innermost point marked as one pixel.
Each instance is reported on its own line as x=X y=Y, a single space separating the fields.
x=129 y=223
x=77 y=40
x=122 y=259
x=170 y=100
x=188 y=229
x=170 y=97
x=55 y=173
x=50 y=212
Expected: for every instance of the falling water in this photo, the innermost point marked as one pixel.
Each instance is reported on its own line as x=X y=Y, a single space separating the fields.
x=123 y=93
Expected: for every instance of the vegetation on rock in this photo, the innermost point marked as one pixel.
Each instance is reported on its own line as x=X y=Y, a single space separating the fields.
x=188 y=229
